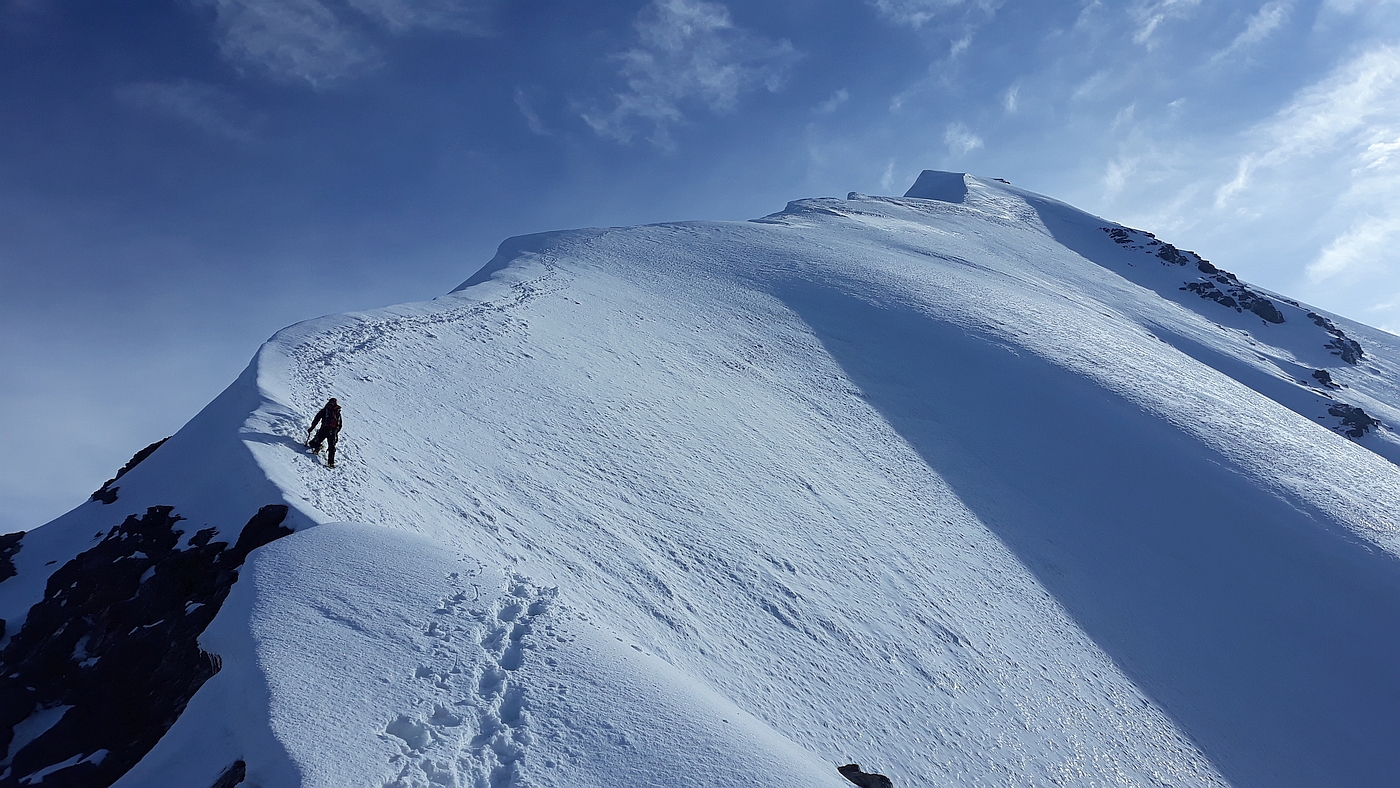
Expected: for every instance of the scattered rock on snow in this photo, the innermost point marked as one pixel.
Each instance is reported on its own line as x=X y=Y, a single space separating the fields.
x=852 y=772
x=115 y=640
x=1217 y=285
x=1340 y=344
x=107 y=493
x=1358 y=421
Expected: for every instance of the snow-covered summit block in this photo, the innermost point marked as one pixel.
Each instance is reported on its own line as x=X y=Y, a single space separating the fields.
x=972 y=489
x=939 y=185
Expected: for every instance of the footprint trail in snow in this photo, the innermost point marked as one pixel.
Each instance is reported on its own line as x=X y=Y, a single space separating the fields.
x=471 y=726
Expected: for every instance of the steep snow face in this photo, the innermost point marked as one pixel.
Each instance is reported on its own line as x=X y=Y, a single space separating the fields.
x=969 y=487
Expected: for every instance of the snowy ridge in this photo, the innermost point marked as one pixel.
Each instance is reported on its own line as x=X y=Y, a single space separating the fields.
x=958 y=486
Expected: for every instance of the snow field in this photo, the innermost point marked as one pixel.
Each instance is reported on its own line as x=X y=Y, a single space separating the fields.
x=957 y=488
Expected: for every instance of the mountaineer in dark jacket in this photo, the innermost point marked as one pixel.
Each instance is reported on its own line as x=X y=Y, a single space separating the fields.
x=329 y=419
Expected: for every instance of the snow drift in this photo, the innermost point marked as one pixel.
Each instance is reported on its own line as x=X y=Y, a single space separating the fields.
x=969 y=487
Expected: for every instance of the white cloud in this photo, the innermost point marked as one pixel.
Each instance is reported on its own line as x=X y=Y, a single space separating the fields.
x=321 y=42
x=688 y=51
x=1333 y=148
x=1117 y=174
x=532 y=118
x=1011 y=98
x=403 y=15
x=1125 y=118
x=1354 y=113
x=1151 y=15
x=1366 y=247
x=1091 y=88
x=837 y=99
x=207 y=107
x=1267 y=19
x=960 y=139
x=917 y=13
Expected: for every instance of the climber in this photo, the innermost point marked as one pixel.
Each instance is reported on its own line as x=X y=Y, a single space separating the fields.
x=329 y=419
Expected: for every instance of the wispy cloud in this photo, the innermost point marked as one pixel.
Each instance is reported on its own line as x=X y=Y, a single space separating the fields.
x=960 y=139
x=917 y=13
x=207 y=107
x=1355 y=111
x=1266 y=20
x=1010 y=100
x=448 y=15
x=1093 y=87
x=687 y=52
x=1367 y=246
x=1150 y=16
x=887 y=178
x=527 y=110
x=321 y=42
x=832 y=104
x=1339 y=137
x=1117 y=174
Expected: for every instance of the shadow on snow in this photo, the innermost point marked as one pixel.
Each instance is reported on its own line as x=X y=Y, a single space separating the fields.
x=1270 y=640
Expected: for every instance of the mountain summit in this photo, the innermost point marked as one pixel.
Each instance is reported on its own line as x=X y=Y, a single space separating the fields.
x=967 y=487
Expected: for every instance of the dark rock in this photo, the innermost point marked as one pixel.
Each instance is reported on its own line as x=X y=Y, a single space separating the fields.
x=115 y=638
x=1340 y=344
x=1358 y=421
x=852 y=772
x=1265 y=308
x=231 y=776
x=1324 y=377
x=107 y=493
x=1172 y=255
x=1230 y=292
x=9 y=545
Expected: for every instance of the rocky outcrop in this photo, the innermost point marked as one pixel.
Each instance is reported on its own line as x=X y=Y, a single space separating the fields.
x=105 y=663
x=107 y=493
x=852 y=772
x=1215 y=285
x=1226 y=289
x=1340 y=344
x=1235 y=296
x=1355 y=421
x=9 y=545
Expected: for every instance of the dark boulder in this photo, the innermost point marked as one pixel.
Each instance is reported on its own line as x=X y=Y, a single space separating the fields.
x=1324 y=378
x=852 y=772
x=1265 y=308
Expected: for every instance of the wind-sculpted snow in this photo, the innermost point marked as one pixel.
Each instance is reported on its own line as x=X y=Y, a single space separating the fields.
x=955 y=487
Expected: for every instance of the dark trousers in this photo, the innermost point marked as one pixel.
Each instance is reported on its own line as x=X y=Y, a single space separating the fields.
x=328 y=435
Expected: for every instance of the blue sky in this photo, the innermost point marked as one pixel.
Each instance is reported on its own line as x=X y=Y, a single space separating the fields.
x=180 y=179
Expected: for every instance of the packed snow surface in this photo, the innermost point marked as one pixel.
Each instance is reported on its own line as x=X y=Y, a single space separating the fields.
x=963 y=487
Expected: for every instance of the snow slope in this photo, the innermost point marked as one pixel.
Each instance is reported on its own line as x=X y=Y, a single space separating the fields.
x=961 y=486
